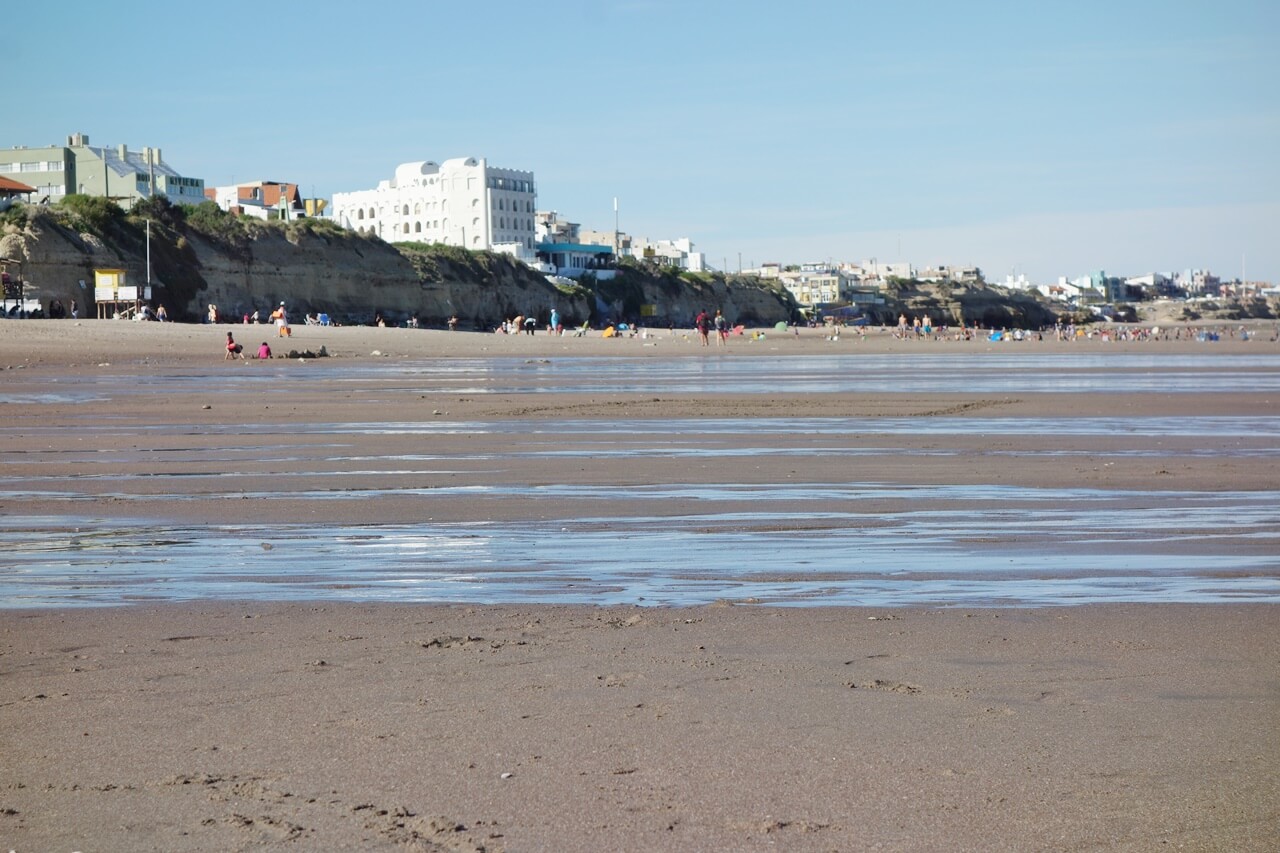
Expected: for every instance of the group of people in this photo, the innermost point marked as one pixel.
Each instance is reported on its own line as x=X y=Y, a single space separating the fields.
x=235 y=350
x=706 y=324
x=522 y=324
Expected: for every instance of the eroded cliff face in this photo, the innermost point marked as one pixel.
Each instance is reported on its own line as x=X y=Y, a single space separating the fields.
x=351 y=277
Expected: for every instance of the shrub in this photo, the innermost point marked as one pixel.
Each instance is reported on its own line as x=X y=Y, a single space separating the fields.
x=87 y=213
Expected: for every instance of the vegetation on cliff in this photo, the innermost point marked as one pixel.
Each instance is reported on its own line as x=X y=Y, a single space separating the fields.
x=201 y=254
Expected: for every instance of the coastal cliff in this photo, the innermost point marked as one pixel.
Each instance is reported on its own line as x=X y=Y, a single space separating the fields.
x=201 y=257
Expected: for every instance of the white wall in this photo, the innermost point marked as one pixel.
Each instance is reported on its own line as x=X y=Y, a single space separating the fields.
x=461 y=202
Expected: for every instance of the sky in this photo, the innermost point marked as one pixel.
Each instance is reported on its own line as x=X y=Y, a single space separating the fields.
x=1043 y=140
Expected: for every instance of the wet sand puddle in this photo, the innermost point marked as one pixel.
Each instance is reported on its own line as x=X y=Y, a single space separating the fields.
x=285 y=455
x=989 y=372
x=941 y=545
x=796 y=543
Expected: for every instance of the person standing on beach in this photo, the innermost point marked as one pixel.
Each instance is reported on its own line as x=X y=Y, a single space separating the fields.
x=722 y=329
x=703 y=324
x=282 y=322
x=554 y=325
x=75 y=310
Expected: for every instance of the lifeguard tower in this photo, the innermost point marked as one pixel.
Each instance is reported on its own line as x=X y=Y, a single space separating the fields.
x=115 y=298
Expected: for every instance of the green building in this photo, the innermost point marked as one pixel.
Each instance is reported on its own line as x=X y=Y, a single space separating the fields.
x=114 y=172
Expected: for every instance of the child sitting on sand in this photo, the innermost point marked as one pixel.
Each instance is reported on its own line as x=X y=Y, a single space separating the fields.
x=264 y=351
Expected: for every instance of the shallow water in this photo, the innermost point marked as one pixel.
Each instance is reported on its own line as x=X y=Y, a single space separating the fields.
x=948 y=545
x=988 y=372
x=790 y=543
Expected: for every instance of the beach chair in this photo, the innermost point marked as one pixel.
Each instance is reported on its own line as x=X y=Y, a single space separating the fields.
x=324 y=319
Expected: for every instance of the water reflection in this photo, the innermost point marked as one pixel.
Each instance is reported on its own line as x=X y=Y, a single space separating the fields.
x=945 y=545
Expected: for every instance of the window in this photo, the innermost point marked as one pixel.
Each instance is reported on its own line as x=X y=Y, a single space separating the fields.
x=406 y=228
x=406 y=213
x=417 y=227
x=361 y=216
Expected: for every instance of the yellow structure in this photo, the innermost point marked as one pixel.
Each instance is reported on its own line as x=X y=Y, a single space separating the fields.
x=111 y=292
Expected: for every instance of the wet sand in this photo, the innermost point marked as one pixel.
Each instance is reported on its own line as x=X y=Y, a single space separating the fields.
x=732 y=726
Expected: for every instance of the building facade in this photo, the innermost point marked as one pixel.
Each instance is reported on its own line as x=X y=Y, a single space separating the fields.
x=460 y=202
x=115 y=172
x=260 y=199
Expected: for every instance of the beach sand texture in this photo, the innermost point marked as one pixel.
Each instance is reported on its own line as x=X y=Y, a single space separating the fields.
x=319 y=725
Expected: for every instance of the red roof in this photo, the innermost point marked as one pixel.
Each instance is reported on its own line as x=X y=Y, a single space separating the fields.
x=13 y=186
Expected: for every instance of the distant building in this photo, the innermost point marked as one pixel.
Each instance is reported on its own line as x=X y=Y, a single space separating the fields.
x=816 y=285
x=677 y=253
x=882 y=271
x=261 y=199
x=949 y=272
x=115 y=172
x=11 y=191
x=460 y=202
x=1199 y=282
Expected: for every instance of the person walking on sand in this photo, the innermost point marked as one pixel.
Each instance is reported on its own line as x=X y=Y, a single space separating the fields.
x=233 y=349
x=703 y=324
x=722 y=329
x=282 y=322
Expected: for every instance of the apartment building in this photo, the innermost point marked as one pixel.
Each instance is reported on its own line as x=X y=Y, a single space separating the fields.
x=117 y=172
x=460 y=202
x=260 y=199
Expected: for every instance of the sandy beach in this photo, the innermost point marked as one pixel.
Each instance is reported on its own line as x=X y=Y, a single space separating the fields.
x=731 y=725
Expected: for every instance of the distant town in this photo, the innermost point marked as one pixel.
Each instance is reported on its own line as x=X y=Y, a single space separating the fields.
x=467 y=202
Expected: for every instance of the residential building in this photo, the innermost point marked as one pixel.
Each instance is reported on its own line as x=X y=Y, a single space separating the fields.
x=1199 y=282
x=671 y=253
x=115 y=172
x=460 y=202
x=816 y=285
x=550 y=228
x=11 y=191
x=950 y=272
x=260 y=199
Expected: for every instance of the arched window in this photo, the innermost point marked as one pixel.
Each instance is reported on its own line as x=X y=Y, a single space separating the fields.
x=417 y=228
x=417 y=208
x=372 y=213
x=406 y=210
x=361 y=216
x=406 y=228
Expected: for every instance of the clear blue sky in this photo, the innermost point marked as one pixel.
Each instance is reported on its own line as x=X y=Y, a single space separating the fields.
x=1050 y=139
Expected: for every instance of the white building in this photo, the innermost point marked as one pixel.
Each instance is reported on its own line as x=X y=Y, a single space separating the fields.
x=259 y=199
x=460 y=202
